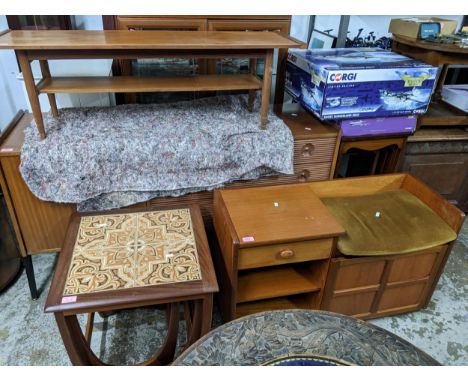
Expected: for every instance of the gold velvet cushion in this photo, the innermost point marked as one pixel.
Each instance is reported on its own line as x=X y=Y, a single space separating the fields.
x=405 y=224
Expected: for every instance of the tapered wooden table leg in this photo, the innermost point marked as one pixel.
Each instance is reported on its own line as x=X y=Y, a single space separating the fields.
x=89 y=327
x=193 y=333
x=33 y=94
x=207 y=311
x=266 y=87
x=252 y=92
x=46 y=74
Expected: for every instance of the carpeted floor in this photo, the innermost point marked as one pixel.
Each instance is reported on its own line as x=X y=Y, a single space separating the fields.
x=28 y=336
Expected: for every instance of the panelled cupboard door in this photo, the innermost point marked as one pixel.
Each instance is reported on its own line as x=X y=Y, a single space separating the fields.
x=43 y=224
x=445 y=173
x=367 y=287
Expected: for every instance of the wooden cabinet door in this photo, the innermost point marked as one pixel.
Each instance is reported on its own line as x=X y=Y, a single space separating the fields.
x=377 y=286
x=43 y=224
x=445 y=173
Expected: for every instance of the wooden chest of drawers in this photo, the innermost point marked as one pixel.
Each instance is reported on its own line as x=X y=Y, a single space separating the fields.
x=275 y=245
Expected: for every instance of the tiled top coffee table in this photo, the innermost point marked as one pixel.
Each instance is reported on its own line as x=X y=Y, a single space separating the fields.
x=129 y=259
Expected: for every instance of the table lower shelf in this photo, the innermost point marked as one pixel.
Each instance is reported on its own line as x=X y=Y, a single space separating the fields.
x=134 y=84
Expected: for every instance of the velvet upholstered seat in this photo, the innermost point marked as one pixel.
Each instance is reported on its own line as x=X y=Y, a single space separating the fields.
x=387 y=223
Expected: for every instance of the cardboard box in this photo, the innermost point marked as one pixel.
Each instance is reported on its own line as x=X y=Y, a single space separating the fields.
x=358 y=83
x=378 y=126
x=410 y=27
x=456 y=95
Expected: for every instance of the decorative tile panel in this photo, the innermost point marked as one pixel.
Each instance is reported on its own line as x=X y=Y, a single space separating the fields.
x=131 y=250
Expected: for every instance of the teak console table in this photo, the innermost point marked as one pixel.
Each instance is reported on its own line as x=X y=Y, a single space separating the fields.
x=52 y=45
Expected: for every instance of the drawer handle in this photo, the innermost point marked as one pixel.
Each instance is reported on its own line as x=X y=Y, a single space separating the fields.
x=307 y=150
x=286 y=253
x=304 y=176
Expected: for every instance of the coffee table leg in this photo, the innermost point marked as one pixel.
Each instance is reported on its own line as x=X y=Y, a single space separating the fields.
x=201 y=318
x=75 y=343
x=207 y=314
x=193 y=333
x=80 y=352
x=167 y=351
x=266 y=87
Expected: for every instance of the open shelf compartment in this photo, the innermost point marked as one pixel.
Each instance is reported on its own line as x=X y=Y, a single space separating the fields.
x=265 y=283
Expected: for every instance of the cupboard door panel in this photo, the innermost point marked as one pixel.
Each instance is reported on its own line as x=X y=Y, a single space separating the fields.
x=43 y=224
x=403 y=296
x=357 y=304
x=412 y=267
x=359 y=274
x=445 y=173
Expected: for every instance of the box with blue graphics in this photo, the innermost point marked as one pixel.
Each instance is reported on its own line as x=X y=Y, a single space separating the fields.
x=358 y=83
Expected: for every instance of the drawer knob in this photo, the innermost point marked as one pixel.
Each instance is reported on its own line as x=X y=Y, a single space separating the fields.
x=304 y=176
x=286 y=254
x=307 y=150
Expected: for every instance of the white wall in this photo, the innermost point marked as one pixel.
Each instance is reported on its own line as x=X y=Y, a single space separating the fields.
x=89 y=22
x=300 y=27
x=11 y=93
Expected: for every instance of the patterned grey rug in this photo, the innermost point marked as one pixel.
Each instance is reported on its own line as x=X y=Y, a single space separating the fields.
x=30 y=337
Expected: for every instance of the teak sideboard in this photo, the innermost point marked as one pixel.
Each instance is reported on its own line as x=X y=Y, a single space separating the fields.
x=124 y=44
x=40 y=226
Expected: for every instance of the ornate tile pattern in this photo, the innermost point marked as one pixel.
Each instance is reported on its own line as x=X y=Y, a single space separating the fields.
x=133 y=250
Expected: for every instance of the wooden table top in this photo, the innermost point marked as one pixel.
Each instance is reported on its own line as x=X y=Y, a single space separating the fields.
x=123 y=39
x=278 y=214
x=132 y=258
x=304 y=125
x=434 y=46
